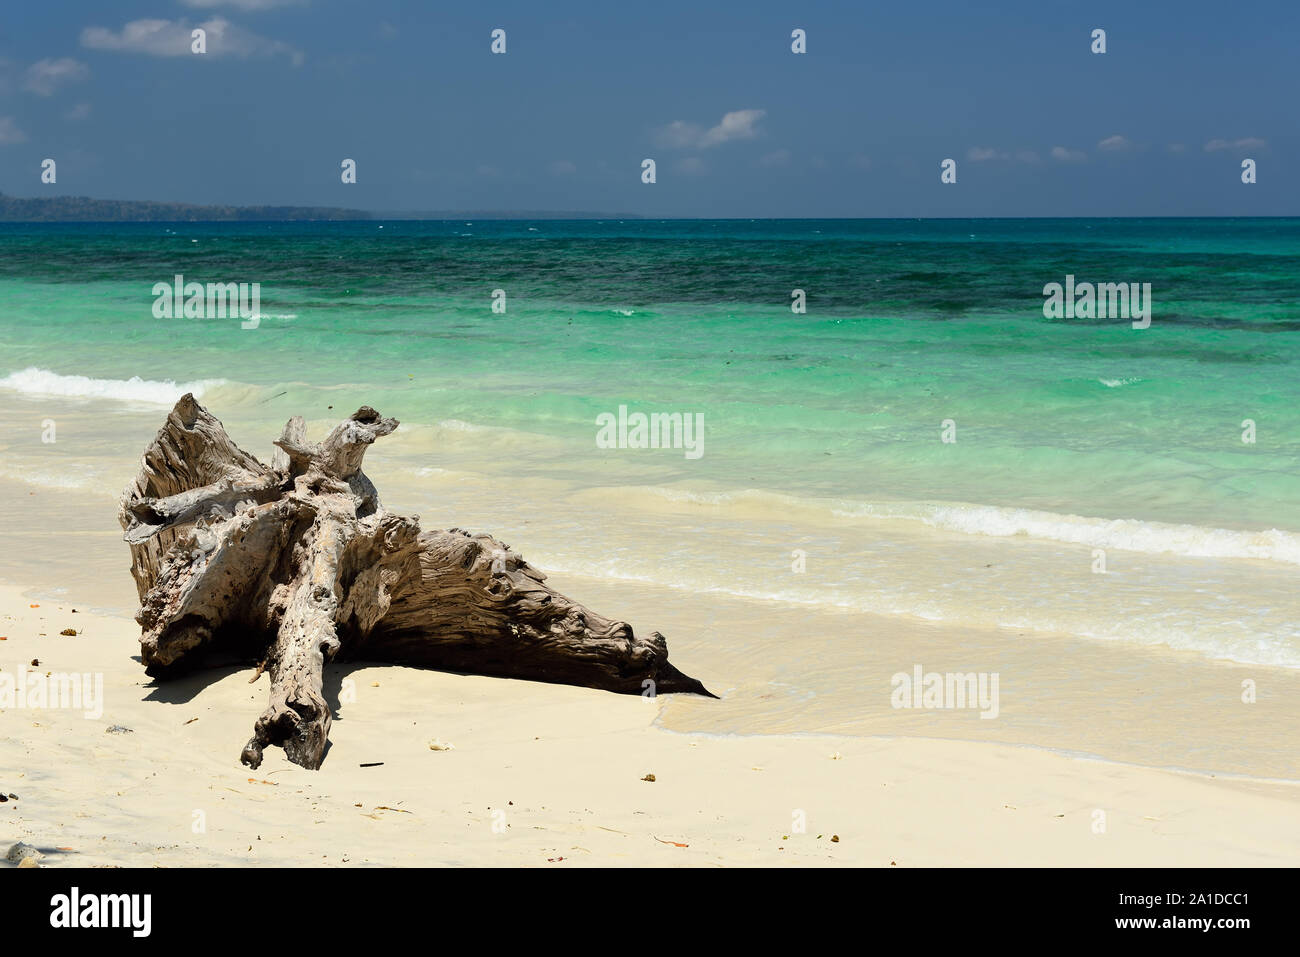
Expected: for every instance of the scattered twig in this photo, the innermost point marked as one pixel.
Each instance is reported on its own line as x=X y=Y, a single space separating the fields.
x=673 y=843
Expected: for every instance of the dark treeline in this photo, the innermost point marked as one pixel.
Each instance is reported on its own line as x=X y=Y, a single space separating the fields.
x=82 y=209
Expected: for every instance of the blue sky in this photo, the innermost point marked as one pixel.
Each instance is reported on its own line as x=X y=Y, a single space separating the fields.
x=738 y=125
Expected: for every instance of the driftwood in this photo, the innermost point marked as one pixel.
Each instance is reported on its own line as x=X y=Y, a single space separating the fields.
x=297 y=563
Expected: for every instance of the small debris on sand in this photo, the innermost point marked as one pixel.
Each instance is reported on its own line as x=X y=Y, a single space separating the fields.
x=70 y=632
x=22 y=852
x=673 y=843
x=649 y=777
x=437 y=744
x=118 y=729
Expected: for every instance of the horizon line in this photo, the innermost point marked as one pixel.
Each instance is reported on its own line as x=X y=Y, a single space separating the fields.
x=562 y=216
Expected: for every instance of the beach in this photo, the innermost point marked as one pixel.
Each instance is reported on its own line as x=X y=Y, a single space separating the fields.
x=135 y=798
x=1098 y=550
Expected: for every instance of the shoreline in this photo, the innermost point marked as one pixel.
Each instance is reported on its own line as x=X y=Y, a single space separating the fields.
x=1145 y=706
x=1224 y=592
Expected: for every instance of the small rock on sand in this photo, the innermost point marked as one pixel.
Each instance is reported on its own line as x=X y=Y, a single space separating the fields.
x=21 y=852
x=437 y=744
x=117 y=729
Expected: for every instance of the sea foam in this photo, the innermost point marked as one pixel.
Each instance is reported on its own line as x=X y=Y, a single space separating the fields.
x=34 y=381
x=1125 y=534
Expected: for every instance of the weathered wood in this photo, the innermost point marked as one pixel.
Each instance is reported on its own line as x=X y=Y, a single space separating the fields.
x=298 y=563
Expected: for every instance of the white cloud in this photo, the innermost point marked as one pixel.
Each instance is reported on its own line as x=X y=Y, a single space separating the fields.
x=1176 y=147
x=1064 y=155
x=46 y=76
x=9 y=132
x=982 y=154
x=172 y=38
x=78 y=112
x=691 y=166
x=563 y=168
x=736 y=125
x=1113 y=144
x=679 y=134
x=775 y=158
x=1249 y=143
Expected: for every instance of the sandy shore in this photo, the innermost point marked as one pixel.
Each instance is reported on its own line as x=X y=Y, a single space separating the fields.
x=554 y=776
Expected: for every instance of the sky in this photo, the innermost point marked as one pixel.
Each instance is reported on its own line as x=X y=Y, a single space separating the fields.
x=738 y=125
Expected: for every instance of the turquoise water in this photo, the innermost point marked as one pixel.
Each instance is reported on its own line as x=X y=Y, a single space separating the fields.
x=909 y=323
x=1071 y=435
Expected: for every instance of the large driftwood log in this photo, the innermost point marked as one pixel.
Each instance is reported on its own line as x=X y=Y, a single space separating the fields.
x=297 y=563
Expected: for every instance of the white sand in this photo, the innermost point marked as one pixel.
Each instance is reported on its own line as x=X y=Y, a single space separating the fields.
x=551 y=776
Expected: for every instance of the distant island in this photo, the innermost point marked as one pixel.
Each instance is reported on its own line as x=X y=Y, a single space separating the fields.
x=83 y=209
